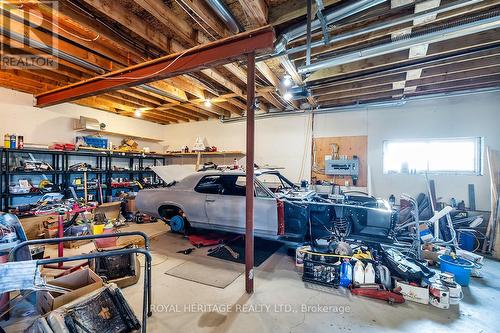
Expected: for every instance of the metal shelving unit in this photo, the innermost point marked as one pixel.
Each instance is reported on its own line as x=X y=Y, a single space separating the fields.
x=62 y=175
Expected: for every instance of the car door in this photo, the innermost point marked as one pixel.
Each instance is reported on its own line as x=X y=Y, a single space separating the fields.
x=206 y=189
x=227 y=209
x=265 y=210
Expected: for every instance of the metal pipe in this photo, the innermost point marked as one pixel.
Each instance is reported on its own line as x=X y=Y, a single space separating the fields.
x=465 y=27
x=406 y=66
x=123 y=36
x=332 y=16
x=324 y=25
x=356 y=107
x=385 y=25
x=225 y=15
x=44 y=48
x=160 y=92
x=308 y=32
x=250 y=117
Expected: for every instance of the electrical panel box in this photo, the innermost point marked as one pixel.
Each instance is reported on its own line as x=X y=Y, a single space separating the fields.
x=342 y=167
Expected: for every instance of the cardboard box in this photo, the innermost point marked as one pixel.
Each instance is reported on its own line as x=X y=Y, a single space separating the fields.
x=81 y=282
x=110 y=209
x=413 y=293
x=34 y=226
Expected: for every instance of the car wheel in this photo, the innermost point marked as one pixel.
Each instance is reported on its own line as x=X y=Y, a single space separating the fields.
x=178 y=224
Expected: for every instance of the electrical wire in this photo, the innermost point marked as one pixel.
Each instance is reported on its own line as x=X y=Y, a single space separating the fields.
x=146 y=76
x=182 y=6
x=306 y=143
x=58 y=26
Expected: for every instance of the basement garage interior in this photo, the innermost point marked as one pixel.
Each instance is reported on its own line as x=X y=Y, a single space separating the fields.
x=132 y=130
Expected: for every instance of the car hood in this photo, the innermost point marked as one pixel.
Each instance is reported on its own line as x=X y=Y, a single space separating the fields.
x=170 y=173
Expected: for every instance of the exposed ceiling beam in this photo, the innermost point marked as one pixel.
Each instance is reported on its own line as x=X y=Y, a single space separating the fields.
x=452 y=45
x=216 y=53
x=168 y=18
x=362 y=95
x=467 y=60
x=291 y=10
x=256 y=11
x=116 y=11
x=207 y=16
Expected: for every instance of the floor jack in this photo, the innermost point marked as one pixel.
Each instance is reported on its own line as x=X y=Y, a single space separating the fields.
x=377 y=291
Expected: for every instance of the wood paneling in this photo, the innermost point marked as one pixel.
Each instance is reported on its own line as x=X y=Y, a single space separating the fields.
x=348 y=145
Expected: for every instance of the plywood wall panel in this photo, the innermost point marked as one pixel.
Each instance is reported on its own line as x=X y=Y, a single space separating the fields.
x=348 y=145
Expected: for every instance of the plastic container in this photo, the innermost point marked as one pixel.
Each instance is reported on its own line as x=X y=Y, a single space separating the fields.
x=369 y=273
x=13 y=140
x=358 y=275
x=97 y=229
x=466 y=241
x=6 y=141
x=321 y=272
x=460 y=267
x=300 y=254
x=345 y=273
x=96 y=142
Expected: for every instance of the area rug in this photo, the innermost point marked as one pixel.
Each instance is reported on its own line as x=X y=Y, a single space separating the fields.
x=263 y=249
x=216 y=273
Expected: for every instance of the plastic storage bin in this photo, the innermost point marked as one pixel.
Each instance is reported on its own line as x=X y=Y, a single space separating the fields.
x=96 y=142
x=460 y=267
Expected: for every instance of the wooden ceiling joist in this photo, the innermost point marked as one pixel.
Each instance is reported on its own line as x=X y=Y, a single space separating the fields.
x=223 y=51
x=113 y=35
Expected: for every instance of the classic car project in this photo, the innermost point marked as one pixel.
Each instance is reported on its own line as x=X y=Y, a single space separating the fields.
x=215 y=200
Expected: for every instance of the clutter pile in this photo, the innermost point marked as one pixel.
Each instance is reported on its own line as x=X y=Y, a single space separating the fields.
x=79 y=298
x=422 y=261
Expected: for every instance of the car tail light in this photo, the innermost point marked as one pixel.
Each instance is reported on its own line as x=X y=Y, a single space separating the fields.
x=281 y=217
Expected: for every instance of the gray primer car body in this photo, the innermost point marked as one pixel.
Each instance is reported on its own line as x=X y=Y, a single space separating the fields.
x=223 y=212
x=304 y=211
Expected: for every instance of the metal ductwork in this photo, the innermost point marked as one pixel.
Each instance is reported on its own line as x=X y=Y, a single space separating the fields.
x=366 y=106
x=159 y=92
x=225 y=15
x=330 y=17
x=44 y=48
x=459 y=28
x=384 y=25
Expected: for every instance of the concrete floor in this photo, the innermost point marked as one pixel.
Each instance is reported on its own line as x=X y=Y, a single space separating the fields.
x=280 y=302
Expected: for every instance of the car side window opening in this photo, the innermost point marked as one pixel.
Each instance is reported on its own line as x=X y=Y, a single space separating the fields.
x=273 y=181
x=228 y=185
x=261 y=192
x=209 y=185
x=233 y=185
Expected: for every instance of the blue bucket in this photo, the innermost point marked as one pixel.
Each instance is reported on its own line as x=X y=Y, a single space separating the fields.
x=460 y=267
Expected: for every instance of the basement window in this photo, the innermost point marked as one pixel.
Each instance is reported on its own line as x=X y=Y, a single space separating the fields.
x=439 y=156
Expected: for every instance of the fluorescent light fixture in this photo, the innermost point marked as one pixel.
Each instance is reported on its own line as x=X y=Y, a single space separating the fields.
x=207 y=103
